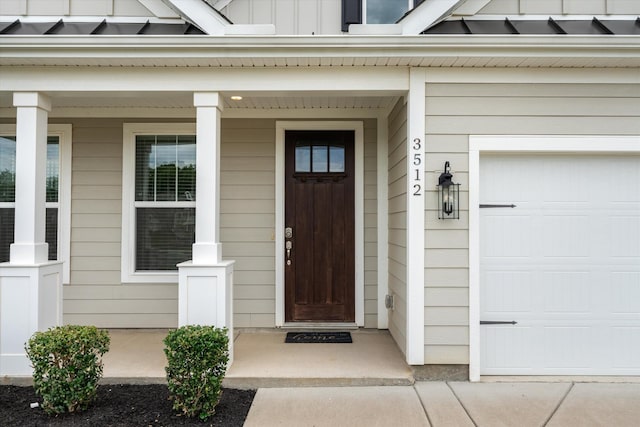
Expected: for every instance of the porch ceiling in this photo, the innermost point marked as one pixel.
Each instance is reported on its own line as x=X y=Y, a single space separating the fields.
x=86 y=103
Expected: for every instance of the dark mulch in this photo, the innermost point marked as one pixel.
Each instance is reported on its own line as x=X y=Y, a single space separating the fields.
x=121 y=405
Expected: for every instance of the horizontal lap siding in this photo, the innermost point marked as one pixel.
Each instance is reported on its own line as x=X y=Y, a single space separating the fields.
x=95 y=294
x=455 y=111
x=248 y=216
x=398 y=222
x=370 y=225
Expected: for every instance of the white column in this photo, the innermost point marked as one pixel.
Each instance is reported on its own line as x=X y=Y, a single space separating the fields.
x=416 y=188
x=30 y=285
x=206 y=249
x=29 y=245
x=205 y=288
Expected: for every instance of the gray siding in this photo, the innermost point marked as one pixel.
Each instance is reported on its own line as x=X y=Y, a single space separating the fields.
x=558 y=7
x=303 y=17
x=370 y=225
x=455 y=111
x=73 y=7
x=96 y=294
x=398 y=222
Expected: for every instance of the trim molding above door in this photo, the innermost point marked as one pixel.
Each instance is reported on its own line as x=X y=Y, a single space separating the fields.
x=358 y=128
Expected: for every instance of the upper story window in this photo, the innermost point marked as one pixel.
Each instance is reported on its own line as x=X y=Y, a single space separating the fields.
x=387 y=11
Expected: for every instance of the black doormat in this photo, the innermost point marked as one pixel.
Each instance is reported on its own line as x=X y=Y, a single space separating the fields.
x=319 y=337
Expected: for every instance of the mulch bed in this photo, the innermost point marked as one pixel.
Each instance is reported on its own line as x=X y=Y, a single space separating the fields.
x=121 y=405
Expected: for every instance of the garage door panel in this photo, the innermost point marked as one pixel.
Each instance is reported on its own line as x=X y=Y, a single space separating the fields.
x=514 y=239
x=566 y=292
x=508 y=293
x=624 y=240
x=564 y=264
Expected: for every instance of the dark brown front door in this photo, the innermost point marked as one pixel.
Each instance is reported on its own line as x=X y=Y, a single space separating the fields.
x=319 y=221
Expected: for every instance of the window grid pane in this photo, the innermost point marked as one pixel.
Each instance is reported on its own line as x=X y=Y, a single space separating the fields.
x=385 y=11
x=336 y=159
x=164 y=237
x=53 y=168
x=7 y=223
x=303 y=158
x=7 y=169
x=320 y=158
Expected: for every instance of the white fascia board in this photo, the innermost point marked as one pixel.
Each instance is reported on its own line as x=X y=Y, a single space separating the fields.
x=159 y=8
x=470 y=7
x=428 y=13
x=250 y=30
x=375 y=29
x=201 y=14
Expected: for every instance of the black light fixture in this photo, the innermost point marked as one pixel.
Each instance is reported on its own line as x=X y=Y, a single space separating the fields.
x=448 y=195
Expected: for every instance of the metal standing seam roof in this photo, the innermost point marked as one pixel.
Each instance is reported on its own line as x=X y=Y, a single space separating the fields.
x=97 y=28
x=551 y=26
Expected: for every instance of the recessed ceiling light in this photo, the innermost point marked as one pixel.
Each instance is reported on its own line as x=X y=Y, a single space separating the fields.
x=236 y=98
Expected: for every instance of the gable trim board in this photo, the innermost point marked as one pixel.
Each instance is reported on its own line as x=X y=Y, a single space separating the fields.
x=358 y=128
x=524 y=145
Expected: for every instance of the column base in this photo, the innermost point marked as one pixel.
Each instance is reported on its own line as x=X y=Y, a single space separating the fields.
x=205 y=296
x=30 y=301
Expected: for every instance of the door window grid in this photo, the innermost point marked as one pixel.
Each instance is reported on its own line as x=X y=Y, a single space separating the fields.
x=319 y=158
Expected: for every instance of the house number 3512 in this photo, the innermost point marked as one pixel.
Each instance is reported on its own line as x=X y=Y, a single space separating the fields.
x=416 y=150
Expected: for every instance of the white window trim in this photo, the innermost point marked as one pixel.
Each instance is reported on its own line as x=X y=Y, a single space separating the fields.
x=358 y=128
x=64 y=134
x=524 y=144
x=128 y=254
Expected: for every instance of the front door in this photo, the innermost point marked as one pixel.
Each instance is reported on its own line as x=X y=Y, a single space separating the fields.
x=319 y=221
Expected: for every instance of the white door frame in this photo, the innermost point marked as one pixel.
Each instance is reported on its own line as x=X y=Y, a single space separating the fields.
x=525 y=144
x=358 y=128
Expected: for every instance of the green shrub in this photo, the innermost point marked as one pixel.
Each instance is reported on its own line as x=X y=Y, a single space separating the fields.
x=197 y=359
x=67 y=366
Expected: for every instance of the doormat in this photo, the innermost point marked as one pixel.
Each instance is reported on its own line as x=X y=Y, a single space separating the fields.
x=319 y=337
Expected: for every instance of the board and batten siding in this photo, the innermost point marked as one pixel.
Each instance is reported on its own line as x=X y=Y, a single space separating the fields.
x=455 y=111
x=73 y=8
x=398 y=222
x=557 y=7
x=97 y=296
x=303 y=17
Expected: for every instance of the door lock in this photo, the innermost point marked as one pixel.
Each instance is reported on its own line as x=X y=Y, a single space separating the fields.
x=288 y=233
x=288 y=245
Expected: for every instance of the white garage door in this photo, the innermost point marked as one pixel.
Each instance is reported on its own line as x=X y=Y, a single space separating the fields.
x=564 y=264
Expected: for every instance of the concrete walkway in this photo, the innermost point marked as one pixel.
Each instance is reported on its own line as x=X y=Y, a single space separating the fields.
x=450 y=404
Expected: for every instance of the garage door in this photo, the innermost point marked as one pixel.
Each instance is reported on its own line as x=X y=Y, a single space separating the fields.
x=564 y=264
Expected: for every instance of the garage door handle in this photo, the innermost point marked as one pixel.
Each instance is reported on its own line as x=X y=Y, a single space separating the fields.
x=496 y=206
x=498 y=322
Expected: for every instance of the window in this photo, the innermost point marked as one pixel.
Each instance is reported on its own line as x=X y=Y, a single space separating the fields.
x=159 y=223
x=321 y=158
x=387 y=11
x=57 y=192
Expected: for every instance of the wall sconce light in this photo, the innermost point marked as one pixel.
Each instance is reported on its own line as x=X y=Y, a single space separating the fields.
x=448 y=195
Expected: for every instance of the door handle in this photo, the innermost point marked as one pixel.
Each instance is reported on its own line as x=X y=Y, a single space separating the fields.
x=288 y=246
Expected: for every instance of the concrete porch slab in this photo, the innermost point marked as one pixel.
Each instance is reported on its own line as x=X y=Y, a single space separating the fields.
x=135 y=356
x=510 y=404
x=262 y=359
x=337 y=406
